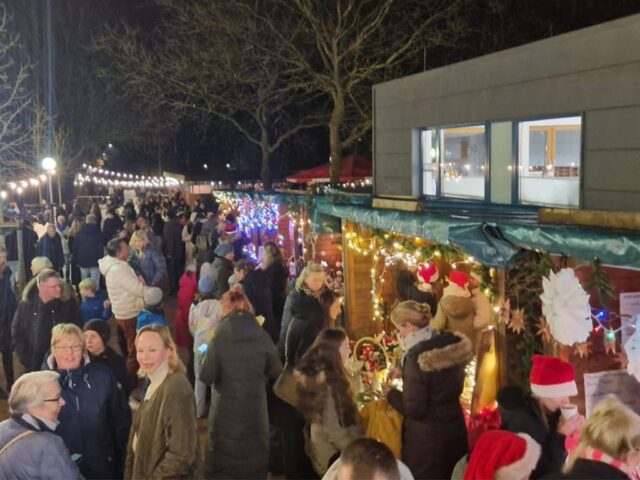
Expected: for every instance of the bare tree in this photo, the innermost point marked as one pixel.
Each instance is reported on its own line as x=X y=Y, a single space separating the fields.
x=15 y=104
x=206 y=59
x=342 y=47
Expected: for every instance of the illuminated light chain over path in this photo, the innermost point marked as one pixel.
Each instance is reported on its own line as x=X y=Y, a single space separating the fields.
x=105 y=177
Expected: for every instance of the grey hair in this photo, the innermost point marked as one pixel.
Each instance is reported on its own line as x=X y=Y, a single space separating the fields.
x=45 y=275
x=27 y=393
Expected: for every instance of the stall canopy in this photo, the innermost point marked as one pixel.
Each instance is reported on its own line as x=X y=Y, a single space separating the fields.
x=354 y=168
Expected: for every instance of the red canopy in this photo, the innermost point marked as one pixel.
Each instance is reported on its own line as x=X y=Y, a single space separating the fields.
x=354 y=167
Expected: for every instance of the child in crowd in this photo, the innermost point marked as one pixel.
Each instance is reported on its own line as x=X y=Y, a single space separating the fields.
x=95 y=303
x=204 y=316
x=152 y=312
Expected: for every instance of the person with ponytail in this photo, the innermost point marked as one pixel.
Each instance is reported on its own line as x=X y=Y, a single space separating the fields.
x=434 y=435
x=326 y=398
x=241 y=358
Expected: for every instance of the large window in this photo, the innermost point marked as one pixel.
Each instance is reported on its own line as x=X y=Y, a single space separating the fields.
x=453 y=161
x=549 y=161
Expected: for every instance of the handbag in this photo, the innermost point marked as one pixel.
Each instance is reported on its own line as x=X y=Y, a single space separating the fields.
x=285 y=386
x=15 y=439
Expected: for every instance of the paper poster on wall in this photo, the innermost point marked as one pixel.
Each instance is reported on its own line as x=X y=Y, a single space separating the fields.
x=629 y=308
x=612 y=382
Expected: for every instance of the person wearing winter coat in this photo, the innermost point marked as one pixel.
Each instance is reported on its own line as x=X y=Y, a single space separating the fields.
x=146 y=260
x=8 y=305
x=163 y=442
x=456 y=311
x=111 y=226
x=407 y=289
x=186 y=294
x=552 y=384
x=95 y=421
x=96 y=336
x=87 y=248
x=204 y=317
x=222 y=267
x=278 y=275
x=50 y=246
x=609 y=444
x=326 y=397
x=152 y=312
x=240 y=359
x=38 y=313
x=30 y=448
x=255 y=284
x=434 y=435
x=94 y=302
x=126 y=293
x=174 y=249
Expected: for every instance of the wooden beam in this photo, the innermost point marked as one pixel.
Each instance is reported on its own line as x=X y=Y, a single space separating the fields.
x=590 y=218
x=397 y=204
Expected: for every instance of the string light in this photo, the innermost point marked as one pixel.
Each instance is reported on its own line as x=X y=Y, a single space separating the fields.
x=110 y=178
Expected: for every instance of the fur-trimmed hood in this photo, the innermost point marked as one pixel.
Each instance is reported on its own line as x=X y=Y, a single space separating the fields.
x=31 y=290
x=450 y=355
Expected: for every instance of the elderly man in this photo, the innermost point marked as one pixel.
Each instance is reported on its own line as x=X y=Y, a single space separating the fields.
x=88 y=249
x=28 y=447
x=126 y=292
x=37 y=315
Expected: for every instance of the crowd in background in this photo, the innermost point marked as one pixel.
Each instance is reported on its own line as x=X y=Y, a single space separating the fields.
x=261 y=353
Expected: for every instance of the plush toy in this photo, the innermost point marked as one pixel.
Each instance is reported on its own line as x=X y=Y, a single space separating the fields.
x=456 y=311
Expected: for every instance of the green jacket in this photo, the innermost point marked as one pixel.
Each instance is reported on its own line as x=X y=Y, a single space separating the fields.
x=167 y=445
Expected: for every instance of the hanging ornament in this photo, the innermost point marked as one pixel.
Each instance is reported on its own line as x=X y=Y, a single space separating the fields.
x=516 y=324
x=610 y=342
x=543 y=330
x=565 y=305
x=582 y=349
x=632 y=349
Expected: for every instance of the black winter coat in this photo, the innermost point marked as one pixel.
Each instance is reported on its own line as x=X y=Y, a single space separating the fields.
x=172 y=242
x=521 y=414
x=278 y=275
x=222 y=270
x=110 y=228
x=51 y=247
x=8 y=304
x=256 y=287
x=114 y=362
x=434 y=435
x=95 y=420
x=87 y=246
x=287 y=317
x=307 y=322
x=32 y=324
x=592 y=469
x=240 y=359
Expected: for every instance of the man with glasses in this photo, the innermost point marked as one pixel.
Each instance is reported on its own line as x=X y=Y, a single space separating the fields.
x=28 y=447
x=36 y=316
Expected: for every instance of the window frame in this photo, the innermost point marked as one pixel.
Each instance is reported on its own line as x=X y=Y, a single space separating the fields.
x=515 y=161
x=487 y=163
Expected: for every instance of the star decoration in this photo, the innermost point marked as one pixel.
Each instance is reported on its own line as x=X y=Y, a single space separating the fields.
x=543 y=330
x=582 y=349
x=517 y=321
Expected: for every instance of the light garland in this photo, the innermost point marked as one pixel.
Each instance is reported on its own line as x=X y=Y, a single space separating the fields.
x=100 y=176
x=19 y=186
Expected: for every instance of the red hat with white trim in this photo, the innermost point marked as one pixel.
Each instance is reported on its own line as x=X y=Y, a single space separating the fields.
x=503 y=455
x=551 y=377
x=459 y=278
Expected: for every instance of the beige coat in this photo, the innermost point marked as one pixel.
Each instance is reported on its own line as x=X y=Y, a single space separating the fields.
x=456 y=312
x=167 y=444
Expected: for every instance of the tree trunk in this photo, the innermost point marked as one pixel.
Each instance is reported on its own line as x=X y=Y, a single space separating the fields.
x=265 y=167
x=335 y=142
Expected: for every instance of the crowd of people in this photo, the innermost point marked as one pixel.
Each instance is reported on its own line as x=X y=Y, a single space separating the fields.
x=115 y=383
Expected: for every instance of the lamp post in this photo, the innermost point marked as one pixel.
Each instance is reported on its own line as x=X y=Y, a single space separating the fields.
x=49 y=166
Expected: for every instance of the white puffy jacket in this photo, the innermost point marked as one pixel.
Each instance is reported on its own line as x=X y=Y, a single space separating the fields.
x=125 y=290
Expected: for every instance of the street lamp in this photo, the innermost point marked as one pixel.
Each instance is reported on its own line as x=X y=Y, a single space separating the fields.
x=49 y=165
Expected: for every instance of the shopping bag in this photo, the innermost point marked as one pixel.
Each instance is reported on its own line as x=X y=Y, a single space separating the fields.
x=384 y=423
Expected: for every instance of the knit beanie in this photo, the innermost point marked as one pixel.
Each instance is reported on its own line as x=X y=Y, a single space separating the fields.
x=551 y=377
x=100 y=327
x=152 y=296
x=503 y=455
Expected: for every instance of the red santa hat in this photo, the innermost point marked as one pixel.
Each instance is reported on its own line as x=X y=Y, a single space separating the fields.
x=459 y=278
x=429 y=272
x=503 y=455
x=551 y=377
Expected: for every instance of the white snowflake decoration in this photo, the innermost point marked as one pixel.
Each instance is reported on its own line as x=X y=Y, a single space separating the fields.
x=632 y=349
x=565 y=304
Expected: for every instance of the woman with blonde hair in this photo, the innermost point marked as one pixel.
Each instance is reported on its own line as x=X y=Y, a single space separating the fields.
x=95 y=422
x=434 y=435
x=163 y=442
x=609 y=444
x=146 y=260
x=241 y=358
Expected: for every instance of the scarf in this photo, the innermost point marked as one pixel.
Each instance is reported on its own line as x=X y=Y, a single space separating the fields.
x=307 y=291
x=415 y=338
x=599 y=456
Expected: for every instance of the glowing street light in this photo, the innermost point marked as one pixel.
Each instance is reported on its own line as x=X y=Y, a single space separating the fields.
x=49 y=166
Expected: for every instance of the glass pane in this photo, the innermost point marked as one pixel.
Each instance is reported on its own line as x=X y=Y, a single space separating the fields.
x=537 y=150
x=568 y=148
x=429 y=146
x=463 y=156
